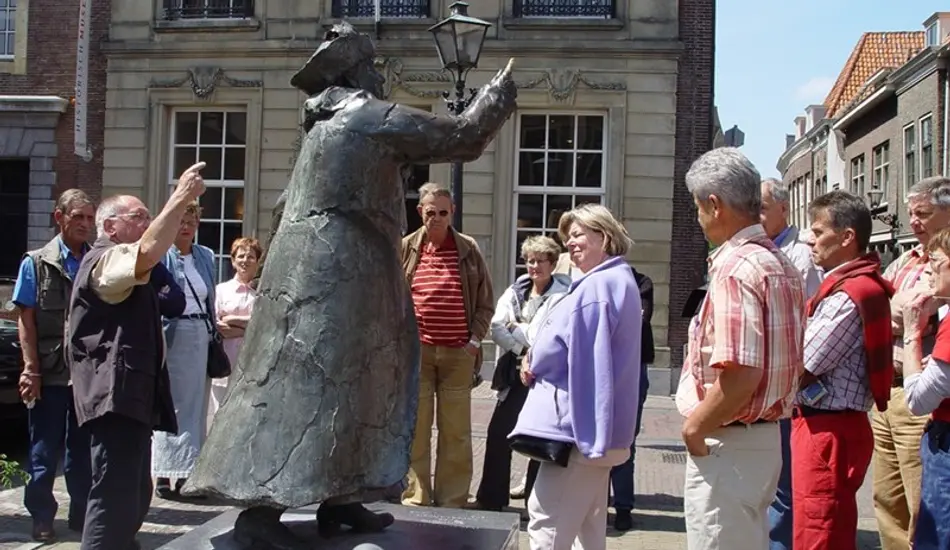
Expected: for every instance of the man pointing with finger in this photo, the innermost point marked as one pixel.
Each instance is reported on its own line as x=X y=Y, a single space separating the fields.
x=116 y=354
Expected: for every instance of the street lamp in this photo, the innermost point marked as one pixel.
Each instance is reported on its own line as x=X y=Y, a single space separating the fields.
x=459 y=39
x=887 y=218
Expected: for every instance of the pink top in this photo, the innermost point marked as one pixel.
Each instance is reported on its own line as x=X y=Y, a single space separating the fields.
x=233 y=298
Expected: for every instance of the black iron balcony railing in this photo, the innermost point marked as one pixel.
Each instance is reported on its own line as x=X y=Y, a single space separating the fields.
x=387 y=8
x=593 y=9
x=208 y=9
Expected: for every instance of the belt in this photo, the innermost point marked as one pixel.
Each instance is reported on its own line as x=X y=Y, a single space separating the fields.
x=759 y=421
x=801 y=411
x=898 y=381
x=198 y=316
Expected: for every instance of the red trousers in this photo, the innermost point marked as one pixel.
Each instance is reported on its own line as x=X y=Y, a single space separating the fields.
x=830 y=456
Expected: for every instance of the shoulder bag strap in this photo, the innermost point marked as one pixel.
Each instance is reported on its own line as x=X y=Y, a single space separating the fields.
x=195 y=294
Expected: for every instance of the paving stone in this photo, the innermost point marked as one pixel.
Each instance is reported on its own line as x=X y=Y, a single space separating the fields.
x=658 y=518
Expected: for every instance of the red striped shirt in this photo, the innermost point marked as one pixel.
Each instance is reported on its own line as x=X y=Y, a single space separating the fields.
x=437 y=296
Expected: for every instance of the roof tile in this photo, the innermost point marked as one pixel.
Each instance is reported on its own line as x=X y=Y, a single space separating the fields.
x=873 y=52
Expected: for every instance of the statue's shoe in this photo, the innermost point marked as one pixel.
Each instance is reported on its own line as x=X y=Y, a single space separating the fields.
x=331 y=519
x=260 y=528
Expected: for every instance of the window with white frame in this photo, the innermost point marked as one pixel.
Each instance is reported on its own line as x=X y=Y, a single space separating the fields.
x=560 y=164
x=931 y=35
x=910 y=157
x=880 y=168
x=218 y=138
x=926 y=147
x=7 y=28
x=857 y=176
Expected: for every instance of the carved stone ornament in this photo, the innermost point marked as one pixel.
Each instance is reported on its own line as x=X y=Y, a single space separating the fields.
x=562 y=84
x=204 y=79
x=392 y=69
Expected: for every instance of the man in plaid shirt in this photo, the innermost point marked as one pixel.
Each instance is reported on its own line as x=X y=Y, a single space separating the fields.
x=744 y=358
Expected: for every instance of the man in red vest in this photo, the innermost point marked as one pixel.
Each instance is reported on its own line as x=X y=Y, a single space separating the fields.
x=848 y=368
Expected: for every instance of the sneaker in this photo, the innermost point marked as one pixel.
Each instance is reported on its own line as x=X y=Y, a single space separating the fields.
x=518 y=492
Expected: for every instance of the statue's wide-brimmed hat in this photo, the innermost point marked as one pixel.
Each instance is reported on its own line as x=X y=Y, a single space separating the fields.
x=343 y=49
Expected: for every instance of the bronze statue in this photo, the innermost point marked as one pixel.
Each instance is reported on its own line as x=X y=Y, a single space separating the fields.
x=322 y=403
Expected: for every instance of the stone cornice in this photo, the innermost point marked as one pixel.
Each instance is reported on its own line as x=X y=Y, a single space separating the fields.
x=285 y=48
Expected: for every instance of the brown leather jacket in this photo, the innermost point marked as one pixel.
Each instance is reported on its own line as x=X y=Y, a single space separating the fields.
x=476 y=281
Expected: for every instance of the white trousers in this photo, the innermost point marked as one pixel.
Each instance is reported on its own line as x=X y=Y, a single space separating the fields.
x=568 y=506
x=728 y=492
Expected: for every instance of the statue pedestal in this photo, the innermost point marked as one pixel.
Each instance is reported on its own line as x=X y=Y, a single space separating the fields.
x=414 y=529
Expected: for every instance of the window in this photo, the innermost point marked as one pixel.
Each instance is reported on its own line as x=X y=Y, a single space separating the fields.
x=7 y=28
x=910 y=157
x=591 y=9
x=880 y=175
x=207 y=9
x=560 y=165
x=387 y=8
x=926 y=147
x=14 y=210
x=857 y=176
x=217 y=138
x=932 y=35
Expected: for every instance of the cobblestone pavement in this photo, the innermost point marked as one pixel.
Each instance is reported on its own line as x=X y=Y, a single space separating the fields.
x=659 y=485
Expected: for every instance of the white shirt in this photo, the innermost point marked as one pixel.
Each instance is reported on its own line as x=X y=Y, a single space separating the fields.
x=193 y=306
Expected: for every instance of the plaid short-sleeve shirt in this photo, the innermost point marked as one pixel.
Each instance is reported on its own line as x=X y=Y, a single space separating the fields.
x=753 y=315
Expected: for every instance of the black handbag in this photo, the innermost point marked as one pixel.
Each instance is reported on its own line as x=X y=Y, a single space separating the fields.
x=542 y=450
x=219 y=366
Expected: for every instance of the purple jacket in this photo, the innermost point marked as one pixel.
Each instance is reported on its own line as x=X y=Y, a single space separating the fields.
x=586 y=363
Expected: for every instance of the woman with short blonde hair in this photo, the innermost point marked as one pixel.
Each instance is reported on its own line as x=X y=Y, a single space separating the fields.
x=599 y=219
x=580 y=415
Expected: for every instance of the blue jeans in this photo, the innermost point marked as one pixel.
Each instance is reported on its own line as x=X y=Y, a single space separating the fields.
x=53 y=430
x=933 y=520
x=780 y=512
x=621 y=477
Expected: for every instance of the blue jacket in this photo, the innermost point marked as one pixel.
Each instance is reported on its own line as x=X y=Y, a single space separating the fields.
x=204 y=263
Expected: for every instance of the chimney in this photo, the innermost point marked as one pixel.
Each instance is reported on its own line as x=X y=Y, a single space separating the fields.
x=789 y=140
x=799 y=127
x=814 y=114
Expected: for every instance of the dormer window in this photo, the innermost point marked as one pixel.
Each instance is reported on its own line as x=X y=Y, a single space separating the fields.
x=932 y=37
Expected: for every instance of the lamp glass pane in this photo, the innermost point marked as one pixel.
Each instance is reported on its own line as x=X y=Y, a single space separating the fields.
x=445 y=42
x=469 y=40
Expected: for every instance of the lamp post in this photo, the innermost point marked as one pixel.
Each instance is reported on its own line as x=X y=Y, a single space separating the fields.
x=459 y=39
x=887 y=218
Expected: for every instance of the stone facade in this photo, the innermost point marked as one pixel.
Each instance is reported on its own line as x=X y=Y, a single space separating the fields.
x=37 y=88
x=623 y=72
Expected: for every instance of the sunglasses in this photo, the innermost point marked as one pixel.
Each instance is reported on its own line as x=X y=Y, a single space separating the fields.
x=432 y=213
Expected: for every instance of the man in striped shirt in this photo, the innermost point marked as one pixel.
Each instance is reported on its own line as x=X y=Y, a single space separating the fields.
x=453 y=299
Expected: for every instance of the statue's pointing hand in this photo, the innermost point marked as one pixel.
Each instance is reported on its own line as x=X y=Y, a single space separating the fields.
x=503 y=79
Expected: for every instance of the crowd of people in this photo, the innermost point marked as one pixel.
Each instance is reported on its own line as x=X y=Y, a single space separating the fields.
x=806 y=365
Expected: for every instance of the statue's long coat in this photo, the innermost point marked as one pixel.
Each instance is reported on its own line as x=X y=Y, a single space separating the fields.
x=323 y=400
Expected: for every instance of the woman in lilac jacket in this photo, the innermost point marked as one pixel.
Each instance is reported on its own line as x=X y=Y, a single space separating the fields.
x=584 y=371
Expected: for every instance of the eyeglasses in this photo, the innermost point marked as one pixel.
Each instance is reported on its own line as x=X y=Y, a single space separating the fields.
x=135 y=216
x=432 y=213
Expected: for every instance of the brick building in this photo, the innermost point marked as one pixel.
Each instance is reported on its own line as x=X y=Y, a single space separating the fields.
x=883 y=127
x=38 y=44
x=615 y=102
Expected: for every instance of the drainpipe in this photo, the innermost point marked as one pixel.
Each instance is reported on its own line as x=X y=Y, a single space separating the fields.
x=942 y=64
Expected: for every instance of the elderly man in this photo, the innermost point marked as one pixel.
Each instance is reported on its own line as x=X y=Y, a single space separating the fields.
x=744 y=357
x=897 y=432
x=42 y=291
x=848 y=367
x=792 y=242
x=452 y=294
x=115 y=351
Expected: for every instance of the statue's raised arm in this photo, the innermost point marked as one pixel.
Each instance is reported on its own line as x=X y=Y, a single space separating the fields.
x=422 y=137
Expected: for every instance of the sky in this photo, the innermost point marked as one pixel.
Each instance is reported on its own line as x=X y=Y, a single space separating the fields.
x=775 y=57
